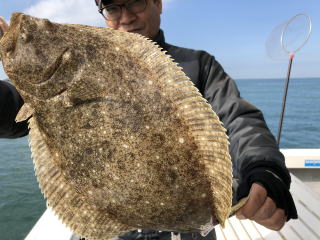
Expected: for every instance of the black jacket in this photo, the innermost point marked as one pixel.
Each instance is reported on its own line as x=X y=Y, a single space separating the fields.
x=10 y=103
x=253 y=149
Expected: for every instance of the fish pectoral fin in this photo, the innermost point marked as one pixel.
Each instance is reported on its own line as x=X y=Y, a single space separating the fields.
x=24 y=113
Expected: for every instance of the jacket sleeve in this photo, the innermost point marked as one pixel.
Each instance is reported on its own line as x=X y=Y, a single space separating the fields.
x=10 y=103
x=253 y=149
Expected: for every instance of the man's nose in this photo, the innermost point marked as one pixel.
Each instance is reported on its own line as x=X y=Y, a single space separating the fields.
x=127 y=17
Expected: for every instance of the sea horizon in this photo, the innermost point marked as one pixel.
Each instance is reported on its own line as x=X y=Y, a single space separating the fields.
x=280 y=78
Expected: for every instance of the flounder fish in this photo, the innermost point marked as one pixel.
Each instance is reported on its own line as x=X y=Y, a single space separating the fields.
x=120 y=137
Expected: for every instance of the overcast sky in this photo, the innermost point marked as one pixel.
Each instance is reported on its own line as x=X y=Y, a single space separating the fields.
x=234 y=31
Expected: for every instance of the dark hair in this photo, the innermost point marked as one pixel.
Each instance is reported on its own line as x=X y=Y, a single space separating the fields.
x=104 y=2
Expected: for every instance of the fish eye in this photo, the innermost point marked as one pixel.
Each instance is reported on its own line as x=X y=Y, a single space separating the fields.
x=47 y=25
x=25 y=37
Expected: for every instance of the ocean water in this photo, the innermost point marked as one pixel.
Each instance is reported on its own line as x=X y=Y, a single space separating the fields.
x=21 y=202
x=301 y=125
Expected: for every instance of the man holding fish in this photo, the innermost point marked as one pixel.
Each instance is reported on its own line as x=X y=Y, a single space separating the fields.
x=257 y=162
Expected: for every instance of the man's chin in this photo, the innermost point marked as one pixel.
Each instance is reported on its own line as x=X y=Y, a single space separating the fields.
x=139 y=31
x=136 y=31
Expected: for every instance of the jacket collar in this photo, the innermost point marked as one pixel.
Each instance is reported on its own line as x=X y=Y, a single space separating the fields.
x=159 y=39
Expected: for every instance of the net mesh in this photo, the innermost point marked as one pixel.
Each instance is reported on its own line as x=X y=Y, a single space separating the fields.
x=289 y=37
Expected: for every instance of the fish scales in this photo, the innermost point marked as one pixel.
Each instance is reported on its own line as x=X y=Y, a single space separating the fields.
x=120 y=137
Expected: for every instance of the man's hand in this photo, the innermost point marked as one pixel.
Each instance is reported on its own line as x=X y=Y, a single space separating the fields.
x=3 y=26
x=262 y=209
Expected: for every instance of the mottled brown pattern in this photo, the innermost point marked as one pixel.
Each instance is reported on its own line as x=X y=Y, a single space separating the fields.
x=120 y=137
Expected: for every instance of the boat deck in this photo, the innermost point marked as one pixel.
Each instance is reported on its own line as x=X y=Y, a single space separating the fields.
x=306 y=227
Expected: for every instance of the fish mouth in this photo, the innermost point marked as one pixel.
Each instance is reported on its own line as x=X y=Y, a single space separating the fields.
x=9 y=38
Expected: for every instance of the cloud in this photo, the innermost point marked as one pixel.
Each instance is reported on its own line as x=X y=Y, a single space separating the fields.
x=71 y=11
x=67 y=11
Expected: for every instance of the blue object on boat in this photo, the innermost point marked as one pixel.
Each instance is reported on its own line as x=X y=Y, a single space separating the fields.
x=312 y=163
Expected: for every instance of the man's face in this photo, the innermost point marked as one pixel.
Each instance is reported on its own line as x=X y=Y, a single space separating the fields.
x=146 y=23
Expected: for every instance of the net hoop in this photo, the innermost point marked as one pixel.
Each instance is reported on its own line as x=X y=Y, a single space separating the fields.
x=285 y=29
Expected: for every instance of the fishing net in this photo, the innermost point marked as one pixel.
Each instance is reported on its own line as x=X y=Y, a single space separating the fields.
x=289 y=37
x=284 y=42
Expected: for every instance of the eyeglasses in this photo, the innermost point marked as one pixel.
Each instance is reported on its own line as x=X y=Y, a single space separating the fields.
x=113 y=12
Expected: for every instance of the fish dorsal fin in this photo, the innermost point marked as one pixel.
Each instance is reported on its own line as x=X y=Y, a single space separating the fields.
x=81 y=217
x=24 y=113
x=203 y=122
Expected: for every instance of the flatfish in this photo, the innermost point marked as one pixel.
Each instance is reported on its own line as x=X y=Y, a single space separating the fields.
x=121 y=139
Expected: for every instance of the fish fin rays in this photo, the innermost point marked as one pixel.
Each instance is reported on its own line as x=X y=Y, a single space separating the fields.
x=204 y=125
x=24 y=113
x=70 y=207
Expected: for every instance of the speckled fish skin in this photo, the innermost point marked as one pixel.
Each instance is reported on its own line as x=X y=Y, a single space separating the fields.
x=120 y=137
